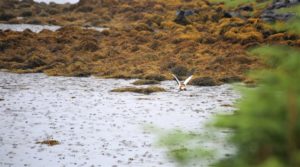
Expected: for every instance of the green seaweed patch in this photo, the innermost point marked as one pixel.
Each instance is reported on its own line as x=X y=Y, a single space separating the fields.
x=145 y=82
x=148 y=90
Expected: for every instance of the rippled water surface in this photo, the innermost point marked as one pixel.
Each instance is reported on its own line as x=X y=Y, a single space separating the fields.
x=95 y=126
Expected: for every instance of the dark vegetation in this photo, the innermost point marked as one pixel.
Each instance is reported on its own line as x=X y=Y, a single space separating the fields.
x=143 y=40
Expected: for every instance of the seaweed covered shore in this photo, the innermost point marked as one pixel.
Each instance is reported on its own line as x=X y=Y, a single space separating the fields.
x=146 y=39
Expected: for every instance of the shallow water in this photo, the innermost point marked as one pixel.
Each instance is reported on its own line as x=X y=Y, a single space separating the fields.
x=38 y=28
x=95 y=126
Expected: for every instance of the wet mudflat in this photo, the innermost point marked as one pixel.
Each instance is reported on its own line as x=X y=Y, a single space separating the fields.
x=94 y=126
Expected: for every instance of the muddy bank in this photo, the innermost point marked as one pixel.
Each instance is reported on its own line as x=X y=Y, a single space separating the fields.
x=146 y=38
x=87 y=125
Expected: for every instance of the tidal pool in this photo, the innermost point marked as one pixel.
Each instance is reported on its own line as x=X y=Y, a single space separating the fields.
x=38 y=28
x=94 y=126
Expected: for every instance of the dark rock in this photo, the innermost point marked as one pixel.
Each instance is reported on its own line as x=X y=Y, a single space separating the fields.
x=246 y=8
x=184 y=12
x=278 y=5
x=270 y=15
x=26 y=13
x=6 y=16
x=82 y=74
x=3 y=45
x=227 y=15
x=204 y=81
x=231 y=14
x=181 y=17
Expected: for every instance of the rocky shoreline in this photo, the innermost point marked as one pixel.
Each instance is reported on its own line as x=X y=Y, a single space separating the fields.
x=144 y=40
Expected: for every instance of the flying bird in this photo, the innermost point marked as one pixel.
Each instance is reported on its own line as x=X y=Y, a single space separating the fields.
x=182 y=85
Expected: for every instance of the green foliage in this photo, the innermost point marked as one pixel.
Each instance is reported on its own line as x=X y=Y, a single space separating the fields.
x=266 y=124
x=291 y=26
x=185 y=147
x=277 y=56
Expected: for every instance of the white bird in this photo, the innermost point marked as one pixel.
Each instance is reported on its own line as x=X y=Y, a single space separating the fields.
x=182 y=85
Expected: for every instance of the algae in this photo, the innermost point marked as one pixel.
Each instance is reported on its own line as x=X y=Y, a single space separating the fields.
x=143 y=41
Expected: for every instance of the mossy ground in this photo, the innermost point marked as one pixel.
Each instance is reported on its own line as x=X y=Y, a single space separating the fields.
x=142 y=42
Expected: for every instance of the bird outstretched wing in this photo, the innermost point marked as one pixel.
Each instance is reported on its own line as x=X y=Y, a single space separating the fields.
x=188 y=80
x=177 y=80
